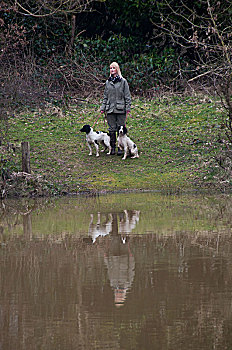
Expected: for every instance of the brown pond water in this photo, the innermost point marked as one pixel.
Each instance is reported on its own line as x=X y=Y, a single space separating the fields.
x=125 y=271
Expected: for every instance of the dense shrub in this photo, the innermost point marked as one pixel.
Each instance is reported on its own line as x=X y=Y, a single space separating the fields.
x=142 y=64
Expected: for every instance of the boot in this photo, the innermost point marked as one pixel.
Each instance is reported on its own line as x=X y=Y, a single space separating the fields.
x=112 y=142
x=120 y=152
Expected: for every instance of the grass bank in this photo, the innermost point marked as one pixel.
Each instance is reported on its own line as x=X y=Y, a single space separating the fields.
x=176 y=138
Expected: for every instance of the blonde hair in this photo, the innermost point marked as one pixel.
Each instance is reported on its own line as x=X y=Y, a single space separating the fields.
x=116 y=65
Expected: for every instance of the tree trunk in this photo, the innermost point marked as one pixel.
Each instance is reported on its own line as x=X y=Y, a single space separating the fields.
x=73 y=24
x=26 y=157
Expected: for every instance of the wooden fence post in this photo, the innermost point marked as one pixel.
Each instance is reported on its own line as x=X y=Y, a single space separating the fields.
x=26 y=157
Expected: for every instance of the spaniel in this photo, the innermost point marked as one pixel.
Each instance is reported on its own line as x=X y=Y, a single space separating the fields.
x=126 y=144
x=94 y=137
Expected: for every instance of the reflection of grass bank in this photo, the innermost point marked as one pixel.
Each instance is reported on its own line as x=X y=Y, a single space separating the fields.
x=160 y=214
x=176 y=139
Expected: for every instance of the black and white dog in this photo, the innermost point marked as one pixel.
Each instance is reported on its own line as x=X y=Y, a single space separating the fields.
x=94 y=138
x=126 y=144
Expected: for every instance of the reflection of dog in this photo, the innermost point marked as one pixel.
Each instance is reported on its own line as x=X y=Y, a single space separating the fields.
x=126 y=144
x=93 y=137
x=128 y=221
x=100 y=229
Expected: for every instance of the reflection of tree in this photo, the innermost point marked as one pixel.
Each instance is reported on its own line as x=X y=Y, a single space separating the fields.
x=55 y=291
x=15 y=214
x=27 y=226
x=60 y=293
x=192 y=281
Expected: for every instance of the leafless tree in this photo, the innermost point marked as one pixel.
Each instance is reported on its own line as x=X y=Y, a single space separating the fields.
x=204 y=30
x=42 y=8
x=48 y=8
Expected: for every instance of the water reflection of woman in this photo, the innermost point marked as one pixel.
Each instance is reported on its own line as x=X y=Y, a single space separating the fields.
x=120 y=264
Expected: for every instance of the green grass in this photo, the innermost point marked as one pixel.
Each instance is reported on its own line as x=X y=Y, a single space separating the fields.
x=174 y=137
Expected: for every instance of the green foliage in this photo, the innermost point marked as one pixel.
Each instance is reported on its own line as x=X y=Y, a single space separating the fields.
x=116 y=47
x=44 y=35
x=132 y=17
x=141 y=64
x=8 y=163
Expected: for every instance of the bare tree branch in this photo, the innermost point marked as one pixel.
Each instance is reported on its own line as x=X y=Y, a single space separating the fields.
x=45 y=8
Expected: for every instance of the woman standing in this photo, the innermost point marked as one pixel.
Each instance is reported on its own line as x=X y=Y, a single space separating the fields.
x=116 y=103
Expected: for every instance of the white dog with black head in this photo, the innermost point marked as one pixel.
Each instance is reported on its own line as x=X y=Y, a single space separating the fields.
x=126 y=144
x=95 y=137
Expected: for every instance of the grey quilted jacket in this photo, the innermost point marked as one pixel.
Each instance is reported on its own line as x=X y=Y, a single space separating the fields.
x=117 y=97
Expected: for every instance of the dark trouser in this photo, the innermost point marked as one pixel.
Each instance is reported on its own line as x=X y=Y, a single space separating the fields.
x=115 y=120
